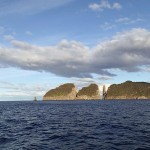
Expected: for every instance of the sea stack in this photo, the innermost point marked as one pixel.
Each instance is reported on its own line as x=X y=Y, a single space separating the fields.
x=64 y=92
x=129 y=90
x=35 y=99
x=104 y=92
x=89 y=93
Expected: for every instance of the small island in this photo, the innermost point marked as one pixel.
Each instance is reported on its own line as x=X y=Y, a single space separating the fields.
x=129 y=90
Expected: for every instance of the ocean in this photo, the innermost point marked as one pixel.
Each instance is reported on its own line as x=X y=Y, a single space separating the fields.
x=75 y=125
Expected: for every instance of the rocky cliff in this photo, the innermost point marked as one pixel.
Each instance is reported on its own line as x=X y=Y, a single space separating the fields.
x=89 y=93
x=129 y=90
x=64 y=92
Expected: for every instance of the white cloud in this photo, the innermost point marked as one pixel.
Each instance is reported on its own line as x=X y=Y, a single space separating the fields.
x=128 y=51
x=126 y=20
x=94 y=6
x=104 y=4
x=104 y=78
x=29 y=33
x=82 y=82
x=29 y=6
x=22 y=90
x=2 y=30
x=107 y=26
x=116 y=6
x=8 y=37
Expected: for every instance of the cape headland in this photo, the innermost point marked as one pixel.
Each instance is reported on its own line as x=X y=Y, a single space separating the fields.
x=68 y=91
x=129 y=90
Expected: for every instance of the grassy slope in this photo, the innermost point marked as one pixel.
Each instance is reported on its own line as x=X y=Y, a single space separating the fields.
x=89 y=91
x=62 y=90
x=130 y=89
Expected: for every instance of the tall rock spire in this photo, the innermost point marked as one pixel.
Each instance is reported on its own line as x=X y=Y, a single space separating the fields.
x=104 y=92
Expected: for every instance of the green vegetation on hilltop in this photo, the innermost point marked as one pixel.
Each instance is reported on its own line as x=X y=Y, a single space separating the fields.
x=129 y=89
x=89 y=91
x=62 y=90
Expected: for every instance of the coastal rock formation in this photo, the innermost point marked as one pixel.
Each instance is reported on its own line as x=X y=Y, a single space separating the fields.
x=129 y=90
x=64 y=92
x=89 y=93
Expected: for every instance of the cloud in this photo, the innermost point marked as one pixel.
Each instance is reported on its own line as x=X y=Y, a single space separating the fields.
x=126 y=20
x=107 y=26
x=8 y=37
x=120 y=21
x=28 y=33
x=128 y=51
x=22 y=90
x=68 y=58
x=2 y=30
x=29 y=6
x=83 y=82
x=104 y=78
x=104 y=4
x=116 y=6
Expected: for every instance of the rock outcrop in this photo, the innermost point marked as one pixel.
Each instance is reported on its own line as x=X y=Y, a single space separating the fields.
x=64 y=92
x=129 y=90
x=89 y=93
x=68 y=92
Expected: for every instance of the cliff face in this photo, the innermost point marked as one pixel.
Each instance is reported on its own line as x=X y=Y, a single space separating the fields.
x=68 y=92
x=89 y=93
x=64 y=92
x=129 y=90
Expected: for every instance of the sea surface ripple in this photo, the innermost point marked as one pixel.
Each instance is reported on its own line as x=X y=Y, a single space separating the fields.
x=75 y=125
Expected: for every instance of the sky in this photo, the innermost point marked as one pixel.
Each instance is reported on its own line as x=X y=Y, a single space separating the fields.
x=45 y=43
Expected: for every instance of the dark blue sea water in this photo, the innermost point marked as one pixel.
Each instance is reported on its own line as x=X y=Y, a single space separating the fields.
x=75 y=125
